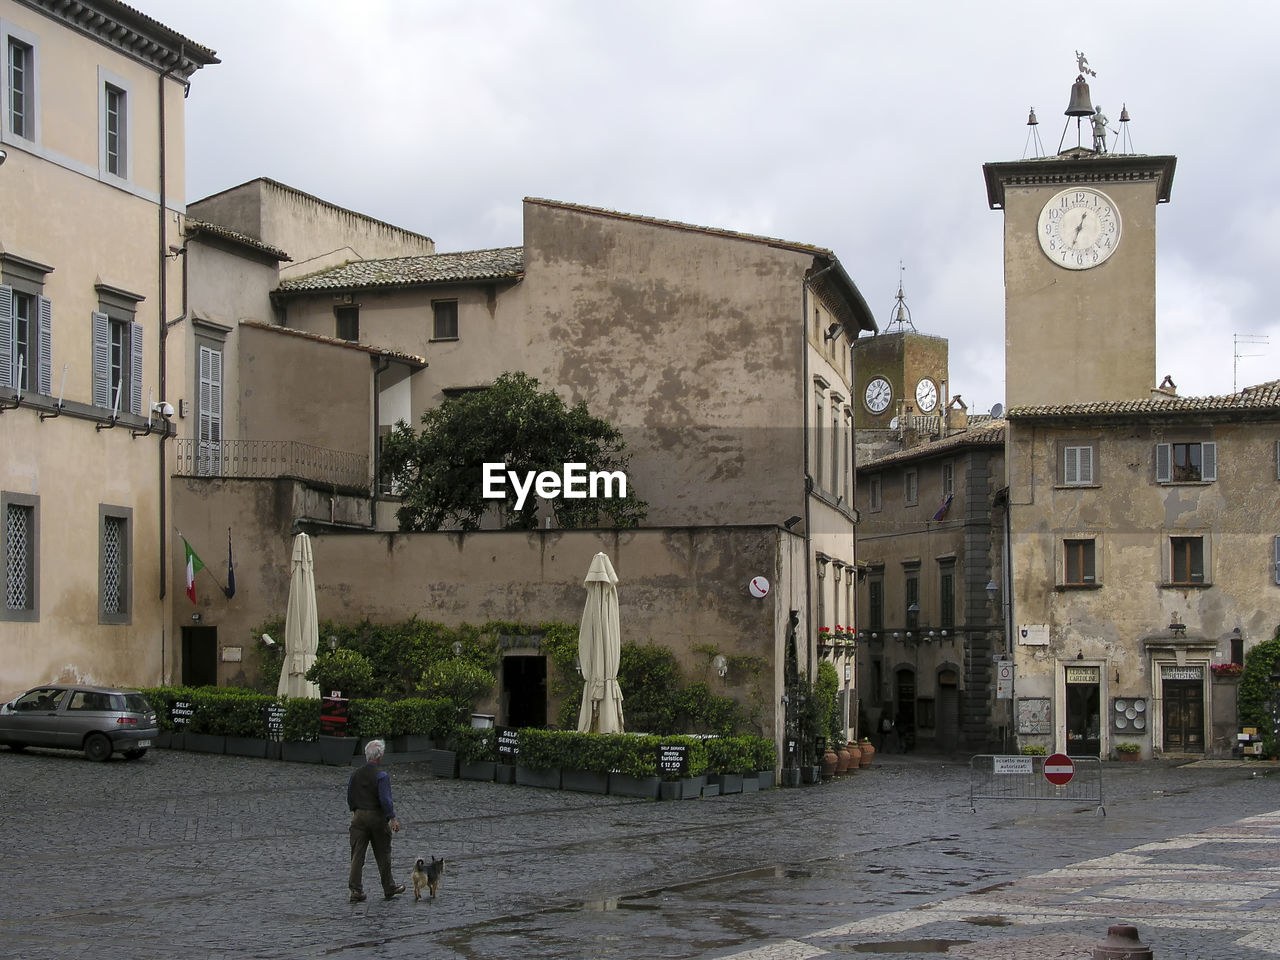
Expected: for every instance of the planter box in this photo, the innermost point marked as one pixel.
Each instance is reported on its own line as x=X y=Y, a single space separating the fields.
x=275 y=750
x=504 y=773
x=1129 y=757
x=529 y=777
x=411 y=743
x=625 y=785
x=206 y=742
x=810 y=774
x=444 y=764
x=670 y=790
x=247 y=746
x=791 y=776
x=300 y=751
x=710 y=789
x=477 y=770
x=766 y=779
x=750 y=784
x=338 y=751
x=585 y=781
x=691 y=787
x=730 y=783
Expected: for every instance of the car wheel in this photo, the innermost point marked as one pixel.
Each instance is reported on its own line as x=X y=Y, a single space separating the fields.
x=97 y=747
x=135 y=754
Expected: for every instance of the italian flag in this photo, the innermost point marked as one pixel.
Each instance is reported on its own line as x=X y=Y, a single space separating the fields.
x=194 y=564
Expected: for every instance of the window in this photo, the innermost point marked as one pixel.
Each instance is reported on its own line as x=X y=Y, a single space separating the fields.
x=1077 y=466
x=209 y=414
x=117 y=352
x=947 y=596
x=911 y=595
x=21 y=77
x=910 y=487
x=836 y=447
x=1186 y=560
x=875 y=602
x=1078 y=562
x=444 y=319
x=26 y=326
x=873 y=493
x=948 y=480
x=819 y=405
x=115 y=120
x=114 y=125
x=20 y=536
x=1186 y=462
x=115 y=564
x=347 y=322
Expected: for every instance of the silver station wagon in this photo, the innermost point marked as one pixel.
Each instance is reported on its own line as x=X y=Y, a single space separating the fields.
x=98 y=720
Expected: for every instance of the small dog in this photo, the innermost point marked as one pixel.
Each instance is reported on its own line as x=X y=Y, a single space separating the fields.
x=427 y=875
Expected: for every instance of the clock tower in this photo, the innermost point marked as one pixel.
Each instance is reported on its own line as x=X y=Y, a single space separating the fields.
x=1080 y=266
x=898 y=373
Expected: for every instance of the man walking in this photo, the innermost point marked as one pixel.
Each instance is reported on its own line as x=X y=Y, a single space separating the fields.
x=373 y=818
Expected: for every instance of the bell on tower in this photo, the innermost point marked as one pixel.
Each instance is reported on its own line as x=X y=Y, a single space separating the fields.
x=1081 y=105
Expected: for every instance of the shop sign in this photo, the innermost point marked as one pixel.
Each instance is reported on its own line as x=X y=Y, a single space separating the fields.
x=1170 y=672
x=1082 y=674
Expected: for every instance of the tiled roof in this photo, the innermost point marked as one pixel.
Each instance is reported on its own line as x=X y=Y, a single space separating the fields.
x=990 y=434
x=408 y=358
x=1265 y=397
x=235 y=236
x=502 y=263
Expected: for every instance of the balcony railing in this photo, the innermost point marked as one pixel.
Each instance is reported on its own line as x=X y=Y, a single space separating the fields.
x=272 y=458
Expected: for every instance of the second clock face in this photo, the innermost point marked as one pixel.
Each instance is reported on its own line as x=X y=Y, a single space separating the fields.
x=1079 y=228
x=926 y=395
x=878 y=395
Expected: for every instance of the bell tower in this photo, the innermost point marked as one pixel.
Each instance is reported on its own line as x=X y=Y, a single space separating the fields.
x=1080 y=262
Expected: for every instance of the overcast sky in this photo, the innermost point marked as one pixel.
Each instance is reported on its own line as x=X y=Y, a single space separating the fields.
x=857 y=126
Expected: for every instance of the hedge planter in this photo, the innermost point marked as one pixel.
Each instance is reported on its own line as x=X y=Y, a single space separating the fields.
x=691 y=787
x=670 y=790
x=585 y=781
x=791 y=776
x=529 y=777
x=766 y=779
x=300 y=751
x=750 y=784
x=275 y=750
x=338 y=751
x=711 y=789
x=730 y=783
x=483 y=770
x=504 y=773
x=411 y=743
x=444 y=763
x=247 y=746
x=206 y=742
x=625 y=785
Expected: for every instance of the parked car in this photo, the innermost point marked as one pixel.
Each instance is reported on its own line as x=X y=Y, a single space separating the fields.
x=98 y=720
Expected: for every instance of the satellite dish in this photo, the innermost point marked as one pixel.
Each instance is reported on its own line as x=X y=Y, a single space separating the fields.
x=893 y=424
x=997 y=409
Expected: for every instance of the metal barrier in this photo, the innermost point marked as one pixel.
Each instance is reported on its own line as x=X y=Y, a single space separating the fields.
x=995 y=777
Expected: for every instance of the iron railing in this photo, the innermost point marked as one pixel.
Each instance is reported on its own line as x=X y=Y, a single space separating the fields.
x=271 y=458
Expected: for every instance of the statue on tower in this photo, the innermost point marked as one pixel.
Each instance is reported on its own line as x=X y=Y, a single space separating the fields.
x=1082 y=64
x=1099 y=130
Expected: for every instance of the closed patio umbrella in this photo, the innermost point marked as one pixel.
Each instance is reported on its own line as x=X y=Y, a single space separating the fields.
x=599 y=647
x=301 y=629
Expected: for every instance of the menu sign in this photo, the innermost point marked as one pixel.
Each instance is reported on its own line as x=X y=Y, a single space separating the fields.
x=673 y=758
x=274 y=717
x=181 y=712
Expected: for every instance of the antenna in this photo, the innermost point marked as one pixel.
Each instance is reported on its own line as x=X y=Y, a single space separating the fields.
x=1248 y=339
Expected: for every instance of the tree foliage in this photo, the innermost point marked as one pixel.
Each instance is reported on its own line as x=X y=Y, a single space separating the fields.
x=439 y=470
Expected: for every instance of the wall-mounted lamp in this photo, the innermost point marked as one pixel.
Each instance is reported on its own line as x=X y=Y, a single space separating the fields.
x=266 y=638
x=908 y=634
x=833 y=332
x=457 y=649
x=791 y=521
x=931 y=636
x=1080 y=654
x=3 y=157
x=577 y=665
x=896 y=635
x=721 y=665
x=992 y=588
x=333 y=642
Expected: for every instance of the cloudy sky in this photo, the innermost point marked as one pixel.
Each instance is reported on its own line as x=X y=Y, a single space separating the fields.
x=857 y=126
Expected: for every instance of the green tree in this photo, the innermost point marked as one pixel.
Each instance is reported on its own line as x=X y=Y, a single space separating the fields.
x=439 y=471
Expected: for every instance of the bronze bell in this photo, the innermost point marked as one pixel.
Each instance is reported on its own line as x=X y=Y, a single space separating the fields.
x=1080 y=105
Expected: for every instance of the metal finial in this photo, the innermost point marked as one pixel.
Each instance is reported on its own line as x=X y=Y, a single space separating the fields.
x=901 y=313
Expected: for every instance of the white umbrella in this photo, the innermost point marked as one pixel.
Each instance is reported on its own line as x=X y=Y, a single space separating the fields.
x=301 y=629
x=599 y=646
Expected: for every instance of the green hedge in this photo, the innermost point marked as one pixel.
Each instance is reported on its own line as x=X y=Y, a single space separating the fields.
x=638 y=755
x=476 y=745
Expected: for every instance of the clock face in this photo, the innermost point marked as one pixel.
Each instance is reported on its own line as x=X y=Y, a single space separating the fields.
x=1079 y=228
x=878 y=395
x=926 y=395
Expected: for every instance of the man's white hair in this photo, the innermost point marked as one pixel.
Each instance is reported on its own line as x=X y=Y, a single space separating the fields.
x=374 y=749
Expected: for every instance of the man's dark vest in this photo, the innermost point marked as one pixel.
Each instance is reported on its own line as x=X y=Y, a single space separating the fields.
x=362 y=793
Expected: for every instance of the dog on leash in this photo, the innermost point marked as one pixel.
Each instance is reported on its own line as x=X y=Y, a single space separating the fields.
x=427 y=875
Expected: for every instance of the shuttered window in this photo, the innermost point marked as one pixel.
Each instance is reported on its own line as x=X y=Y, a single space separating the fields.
x=1186 y=462
x=1077 y=466
x=209 y=453
x=117 y=364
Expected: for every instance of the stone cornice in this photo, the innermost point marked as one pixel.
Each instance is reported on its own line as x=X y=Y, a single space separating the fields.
x=1079 y=167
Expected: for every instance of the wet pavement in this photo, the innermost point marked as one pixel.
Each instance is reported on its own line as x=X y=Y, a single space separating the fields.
x=197 y=856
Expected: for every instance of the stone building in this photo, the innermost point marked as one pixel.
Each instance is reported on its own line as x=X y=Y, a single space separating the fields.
x=91 y=131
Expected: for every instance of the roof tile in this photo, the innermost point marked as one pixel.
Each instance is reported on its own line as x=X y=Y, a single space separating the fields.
x=470 y=265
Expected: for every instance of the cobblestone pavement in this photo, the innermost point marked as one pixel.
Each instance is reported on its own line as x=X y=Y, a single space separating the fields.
x=184 y=855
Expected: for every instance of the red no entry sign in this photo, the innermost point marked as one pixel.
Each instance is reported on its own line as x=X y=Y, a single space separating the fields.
x=1058 y=769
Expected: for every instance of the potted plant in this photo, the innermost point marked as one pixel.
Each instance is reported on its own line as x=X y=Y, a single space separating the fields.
x=477 y=753
x=1131 y=752
x=301 y=730
x=1034 y=750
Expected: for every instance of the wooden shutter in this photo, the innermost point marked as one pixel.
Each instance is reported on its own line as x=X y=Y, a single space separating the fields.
x=135 y=368
x=6 y=336
x=1208 y=461
x=209 y=460
x=101 y=366
x=1086 y=465
x=44 y=361
x=1071 y=465
x=1164 y=462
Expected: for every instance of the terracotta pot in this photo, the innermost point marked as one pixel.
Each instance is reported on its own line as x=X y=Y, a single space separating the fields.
x=855 y=756
x=1130 y=757
x=842 y=760
x=829 y=762
x=868 y=751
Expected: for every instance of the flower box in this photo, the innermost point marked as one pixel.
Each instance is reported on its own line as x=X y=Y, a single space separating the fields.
x=247 y=746
x=585 y=781
x=730 y=783
x=504 y=773
x=483 y=770
x=625 y=785
x=338 y=751
x=206 y=742
x=766 y=779
x=531 y=777
x=300 y=751
x=444 y=764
